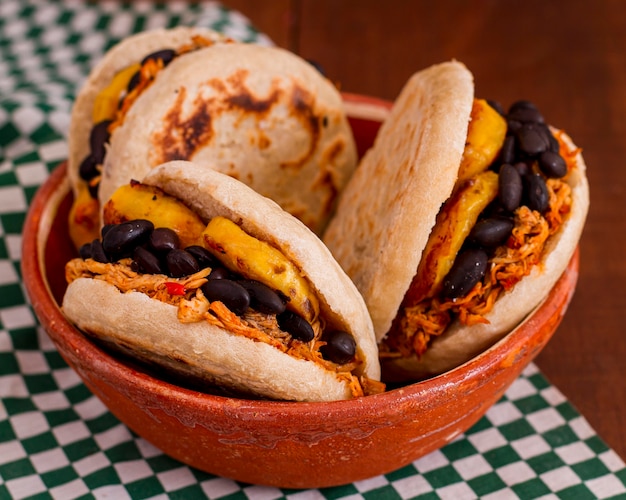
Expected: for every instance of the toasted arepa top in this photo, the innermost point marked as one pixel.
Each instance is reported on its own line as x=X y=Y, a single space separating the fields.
x=386 y=212
x=259 y=114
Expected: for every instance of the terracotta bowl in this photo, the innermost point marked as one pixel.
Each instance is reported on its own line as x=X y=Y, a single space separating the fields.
x=283 y=444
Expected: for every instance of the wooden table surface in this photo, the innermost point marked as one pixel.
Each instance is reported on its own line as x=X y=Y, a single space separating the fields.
x=567 y=56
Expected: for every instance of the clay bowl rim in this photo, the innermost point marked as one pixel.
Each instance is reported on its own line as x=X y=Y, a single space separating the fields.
x=40 y=215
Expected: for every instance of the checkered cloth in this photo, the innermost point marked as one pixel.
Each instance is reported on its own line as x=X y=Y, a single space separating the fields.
x=57 y=440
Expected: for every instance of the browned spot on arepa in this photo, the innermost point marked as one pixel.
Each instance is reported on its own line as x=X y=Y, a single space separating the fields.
x=181 y=135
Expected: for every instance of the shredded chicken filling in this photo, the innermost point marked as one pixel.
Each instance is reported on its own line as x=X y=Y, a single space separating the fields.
x=414 y=328
x=193 y=306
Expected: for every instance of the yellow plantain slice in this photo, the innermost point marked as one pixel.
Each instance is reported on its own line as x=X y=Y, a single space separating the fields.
x=84 y=223
x=257 y=260
x=140 y=201
x=107 y=101
x=454 y=222
x=485 y=136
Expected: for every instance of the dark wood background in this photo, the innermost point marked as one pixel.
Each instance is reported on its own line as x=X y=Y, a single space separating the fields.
x=567 y=56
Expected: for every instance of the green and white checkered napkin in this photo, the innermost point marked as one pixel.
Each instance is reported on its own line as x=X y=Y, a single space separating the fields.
x=57 y=440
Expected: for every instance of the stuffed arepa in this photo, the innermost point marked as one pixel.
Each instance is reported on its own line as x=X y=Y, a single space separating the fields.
x=259 y=114
x=457 y=222
x=173 y=319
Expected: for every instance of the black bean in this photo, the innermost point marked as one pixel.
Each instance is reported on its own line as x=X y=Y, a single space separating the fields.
x=525 y=115
x=88 y=168
x=523 y=168
x=296 y=325
x=93 y=189
x=340 y=347
x=97 y=252
x=180 y=263
x=521 y=104
x=98 y=137
x=85 y=251
x=147 y=262
x=555 y=147
x=545 y=130
x=123 y=238
x=507 y=152
x=536 y=192
x=166 y=55
x=491 y=232
x=105 y=229
x=513 y=127
x=263 y=298
x=164 y=239
x=203 y=256
x=552 y=164
x=532 y=139
x=495 y=210
x=219 y=273
x=468 y=269
x=510 y=187
x=134 y=80
x=229 y=292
